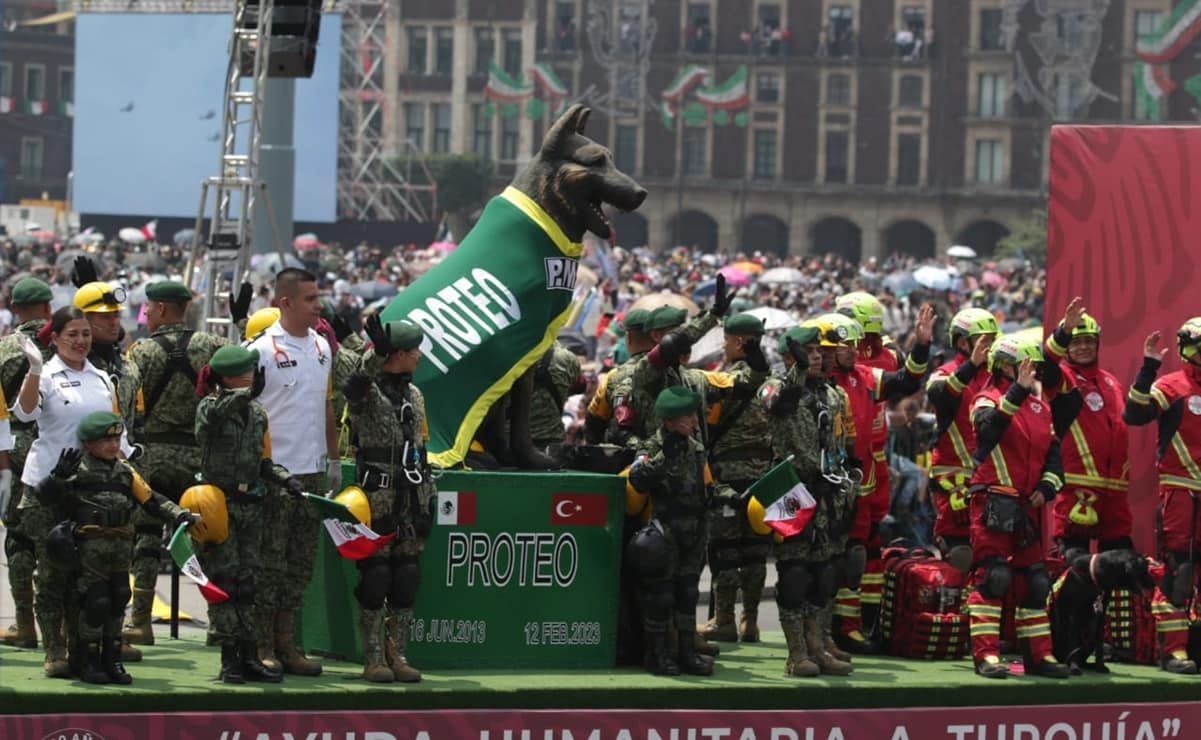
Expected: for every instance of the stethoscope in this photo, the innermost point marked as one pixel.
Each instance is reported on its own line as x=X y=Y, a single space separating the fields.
x=283 y=360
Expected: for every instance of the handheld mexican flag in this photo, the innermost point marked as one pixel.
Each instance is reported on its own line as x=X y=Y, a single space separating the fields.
x=779 y=502
x=185 y=557
x=354 y=540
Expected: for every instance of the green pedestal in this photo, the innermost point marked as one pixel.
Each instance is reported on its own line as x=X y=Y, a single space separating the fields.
x=521 y=571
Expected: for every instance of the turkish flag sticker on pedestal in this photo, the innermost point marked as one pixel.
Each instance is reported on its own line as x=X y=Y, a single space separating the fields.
x=579 y=509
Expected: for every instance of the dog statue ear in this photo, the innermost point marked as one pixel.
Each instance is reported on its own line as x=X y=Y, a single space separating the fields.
x=571 y=122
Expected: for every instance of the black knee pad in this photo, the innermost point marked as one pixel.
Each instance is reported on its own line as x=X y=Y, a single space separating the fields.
x=658 y=600
x=792 y=583
x=996 y=579
x=648 y=554
x=723 y=555
x=119 y=593
x=374 y=579
x=856 y=563
x=825 y=581
x=97 y=606
x=960 y=557
x=246 y=591
x=1038 y=586
x=1183 y=576
x=686 y=593
x=406 y=579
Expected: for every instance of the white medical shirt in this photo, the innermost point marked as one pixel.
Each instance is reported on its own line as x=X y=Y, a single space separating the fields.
x=297 y=374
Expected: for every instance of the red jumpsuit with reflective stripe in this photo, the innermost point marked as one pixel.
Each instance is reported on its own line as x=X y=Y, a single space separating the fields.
x=951 y=464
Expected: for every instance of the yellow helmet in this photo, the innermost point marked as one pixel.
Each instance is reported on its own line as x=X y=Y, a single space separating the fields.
x=864 y=308
x=260 y=320
x=353 y=498
x=99 y=297
x=756 y=516
x=209 y=502
x=836 y=329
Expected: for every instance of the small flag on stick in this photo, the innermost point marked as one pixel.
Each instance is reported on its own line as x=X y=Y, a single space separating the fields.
x=185 y=557
x=786 y=504
x=354 y=540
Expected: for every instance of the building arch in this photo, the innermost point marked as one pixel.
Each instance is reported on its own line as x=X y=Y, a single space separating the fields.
x=982 y=236
x=763 y=232
x=837 y=235
x=632 y=229
x=694 y=229
x=910 y=237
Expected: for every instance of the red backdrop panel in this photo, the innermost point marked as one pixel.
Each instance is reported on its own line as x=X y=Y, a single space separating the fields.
x=1122 y=231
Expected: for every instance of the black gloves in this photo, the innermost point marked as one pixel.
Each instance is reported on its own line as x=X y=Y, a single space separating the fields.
x=754 y=355
x=797 y=350
x=379 y=337
x=294 y=487
x=1046 y=489
x=721 y=300
x=356 y=387
x=259 y=382
x=186 y=517
x=84 y=271
x=673 y=346
x=341 y=328
x=239 y=306
x=68 y=463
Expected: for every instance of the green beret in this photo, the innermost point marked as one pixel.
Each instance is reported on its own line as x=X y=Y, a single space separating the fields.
x=666 y=317
x=802 y=334
x=403 y=335
x=232 y=360
x=744 y=325
x=29 y=291
x=99 y=425
x=636 y=319
x=675 y=401
x=168 y=291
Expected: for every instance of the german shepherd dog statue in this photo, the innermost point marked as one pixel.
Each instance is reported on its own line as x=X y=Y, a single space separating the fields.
x=1076 y=610
x=572 y=178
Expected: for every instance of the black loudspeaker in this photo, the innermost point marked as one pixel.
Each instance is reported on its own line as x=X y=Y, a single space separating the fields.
x=295 y=27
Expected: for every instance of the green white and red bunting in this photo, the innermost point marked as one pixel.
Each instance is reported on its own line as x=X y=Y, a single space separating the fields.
x=1152 y=84
x=728 y=95
x=1177 y=32
x=7 y=104
x=185 y=557
x=505 y=89
x=688 y=78
x=67 y=109
x=354 y=540
x=35 y=107
x=545 y=78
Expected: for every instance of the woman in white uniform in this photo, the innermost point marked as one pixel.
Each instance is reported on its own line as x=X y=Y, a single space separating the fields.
x=57 y=395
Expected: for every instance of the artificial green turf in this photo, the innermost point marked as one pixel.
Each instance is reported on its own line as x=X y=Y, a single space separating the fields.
x=178 y=676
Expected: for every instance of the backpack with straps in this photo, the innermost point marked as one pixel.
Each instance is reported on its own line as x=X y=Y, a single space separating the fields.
x=177 y=362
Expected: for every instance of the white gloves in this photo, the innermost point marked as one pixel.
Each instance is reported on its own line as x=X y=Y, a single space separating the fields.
x=31 y=352
x=6 y=489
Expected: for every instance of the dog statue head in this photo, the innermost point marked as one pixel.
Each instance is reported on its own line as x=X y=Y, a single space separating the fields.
x=572 y=177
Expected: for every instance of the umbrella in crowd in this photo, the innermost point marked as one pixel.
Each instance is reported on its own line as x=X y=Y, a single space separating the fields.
x=87 y=236
x=306 y=241
x=443 y=246
x=993 y=279
x=145 y=261
x=774 y=318
x=782 y=276
x=370 y=290
x=43 y=236
x=959 y=251
x=753 y=268
x=704 y=290
x=735 y=276
x=130 y=235
x=183 y=237
x=900 y=283
x=66 y=259
x=651 y=301
x=934 y=278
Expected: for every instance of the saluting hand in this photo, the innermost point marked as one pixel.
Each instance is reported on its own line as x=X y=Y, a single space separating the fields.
x=1073 y=314
x=1151 y=348
x=923 y=333
x=980 y=349
x=1027 y=372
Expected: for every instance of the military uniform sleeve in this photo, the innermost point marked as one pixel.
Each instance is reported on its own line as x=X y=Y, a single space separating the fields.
x=699 y=325
x=153 y=501
x=6 y=437
x=1145 y=401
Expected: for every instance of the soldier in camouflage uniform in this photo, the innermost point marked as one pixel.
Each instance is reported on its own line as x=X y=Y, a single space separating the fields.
x=101 y=304
x=670 y=552
x=739 y=453
x=609 y=418
x=555 y=375
x=30 y=303
x=348 y=352
x=100 y=490
x=388 y=426
x=235 y=457
x=168 y=362
x=810 y=422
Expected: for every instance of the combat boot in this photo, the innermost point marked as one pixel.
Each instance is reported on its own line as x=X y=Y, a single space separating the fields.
x=110 y=661
x=22 y=633
x=90 y=669
x=1178 y=662
x=252 y=668
x=689 y=661
x=231 y=667
x=828 y=664
x=55 y=645
x=799 y=663
x=992 y=667
x=707 y=649
x=129 y=653
x=396 y=642
x=1048 y=667
x=290 y=657
x=375 y=669
x=264 y=642
x=752 y=594
x=138 y=630
x=658 y=659
x=721 y=627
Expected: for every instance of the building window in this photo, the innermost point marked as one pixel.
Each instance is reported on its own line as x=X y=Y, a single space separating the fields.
x=699 y=32
x=992 y=36
x=765 y=154
x=989 y=161
x=838 y=145
x=695 y=146
x=991 y=95
x=565 y=30
x=767 y=87
x=444 y=50
x=441 y=127
x=840 y=31
x=482 y=143
x=910 y=37
x=1071 y=30
x=66 y=84
x=512 y=52
x=419 y=43
x=909 y=159
x=1069 y=95
x=510 y=131
x=6 y=80
x=625 y=148
x=838 y=89
x=911 y=91
x=770 y=29
x=35 y=84
x=485 y=50
x=1146 y=23
x=415 y=124
x=31 y=158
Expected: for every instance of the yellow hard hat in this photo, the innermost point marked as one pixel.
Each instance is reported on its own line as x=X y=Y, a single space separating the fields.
x=260 y=320
x=209 y=502
x=353 y=498
x=99 y=298
x=756 y=515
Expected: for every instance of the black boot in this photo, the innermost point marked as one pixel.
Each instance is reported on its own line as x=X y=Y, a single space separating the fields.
x=110 y=659
x=658 y=658
x=231 y=664
x=690 y=661
x=90 y=669
x=253 y=669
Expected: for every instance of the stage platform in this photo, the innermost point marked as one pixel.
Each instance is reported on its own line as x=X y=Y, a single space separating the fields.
x=178 y=676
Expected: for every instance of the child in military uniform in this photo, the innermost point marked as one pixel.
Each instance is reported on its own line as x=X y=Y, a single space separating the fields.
x=100 y=489
x=235 y=455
